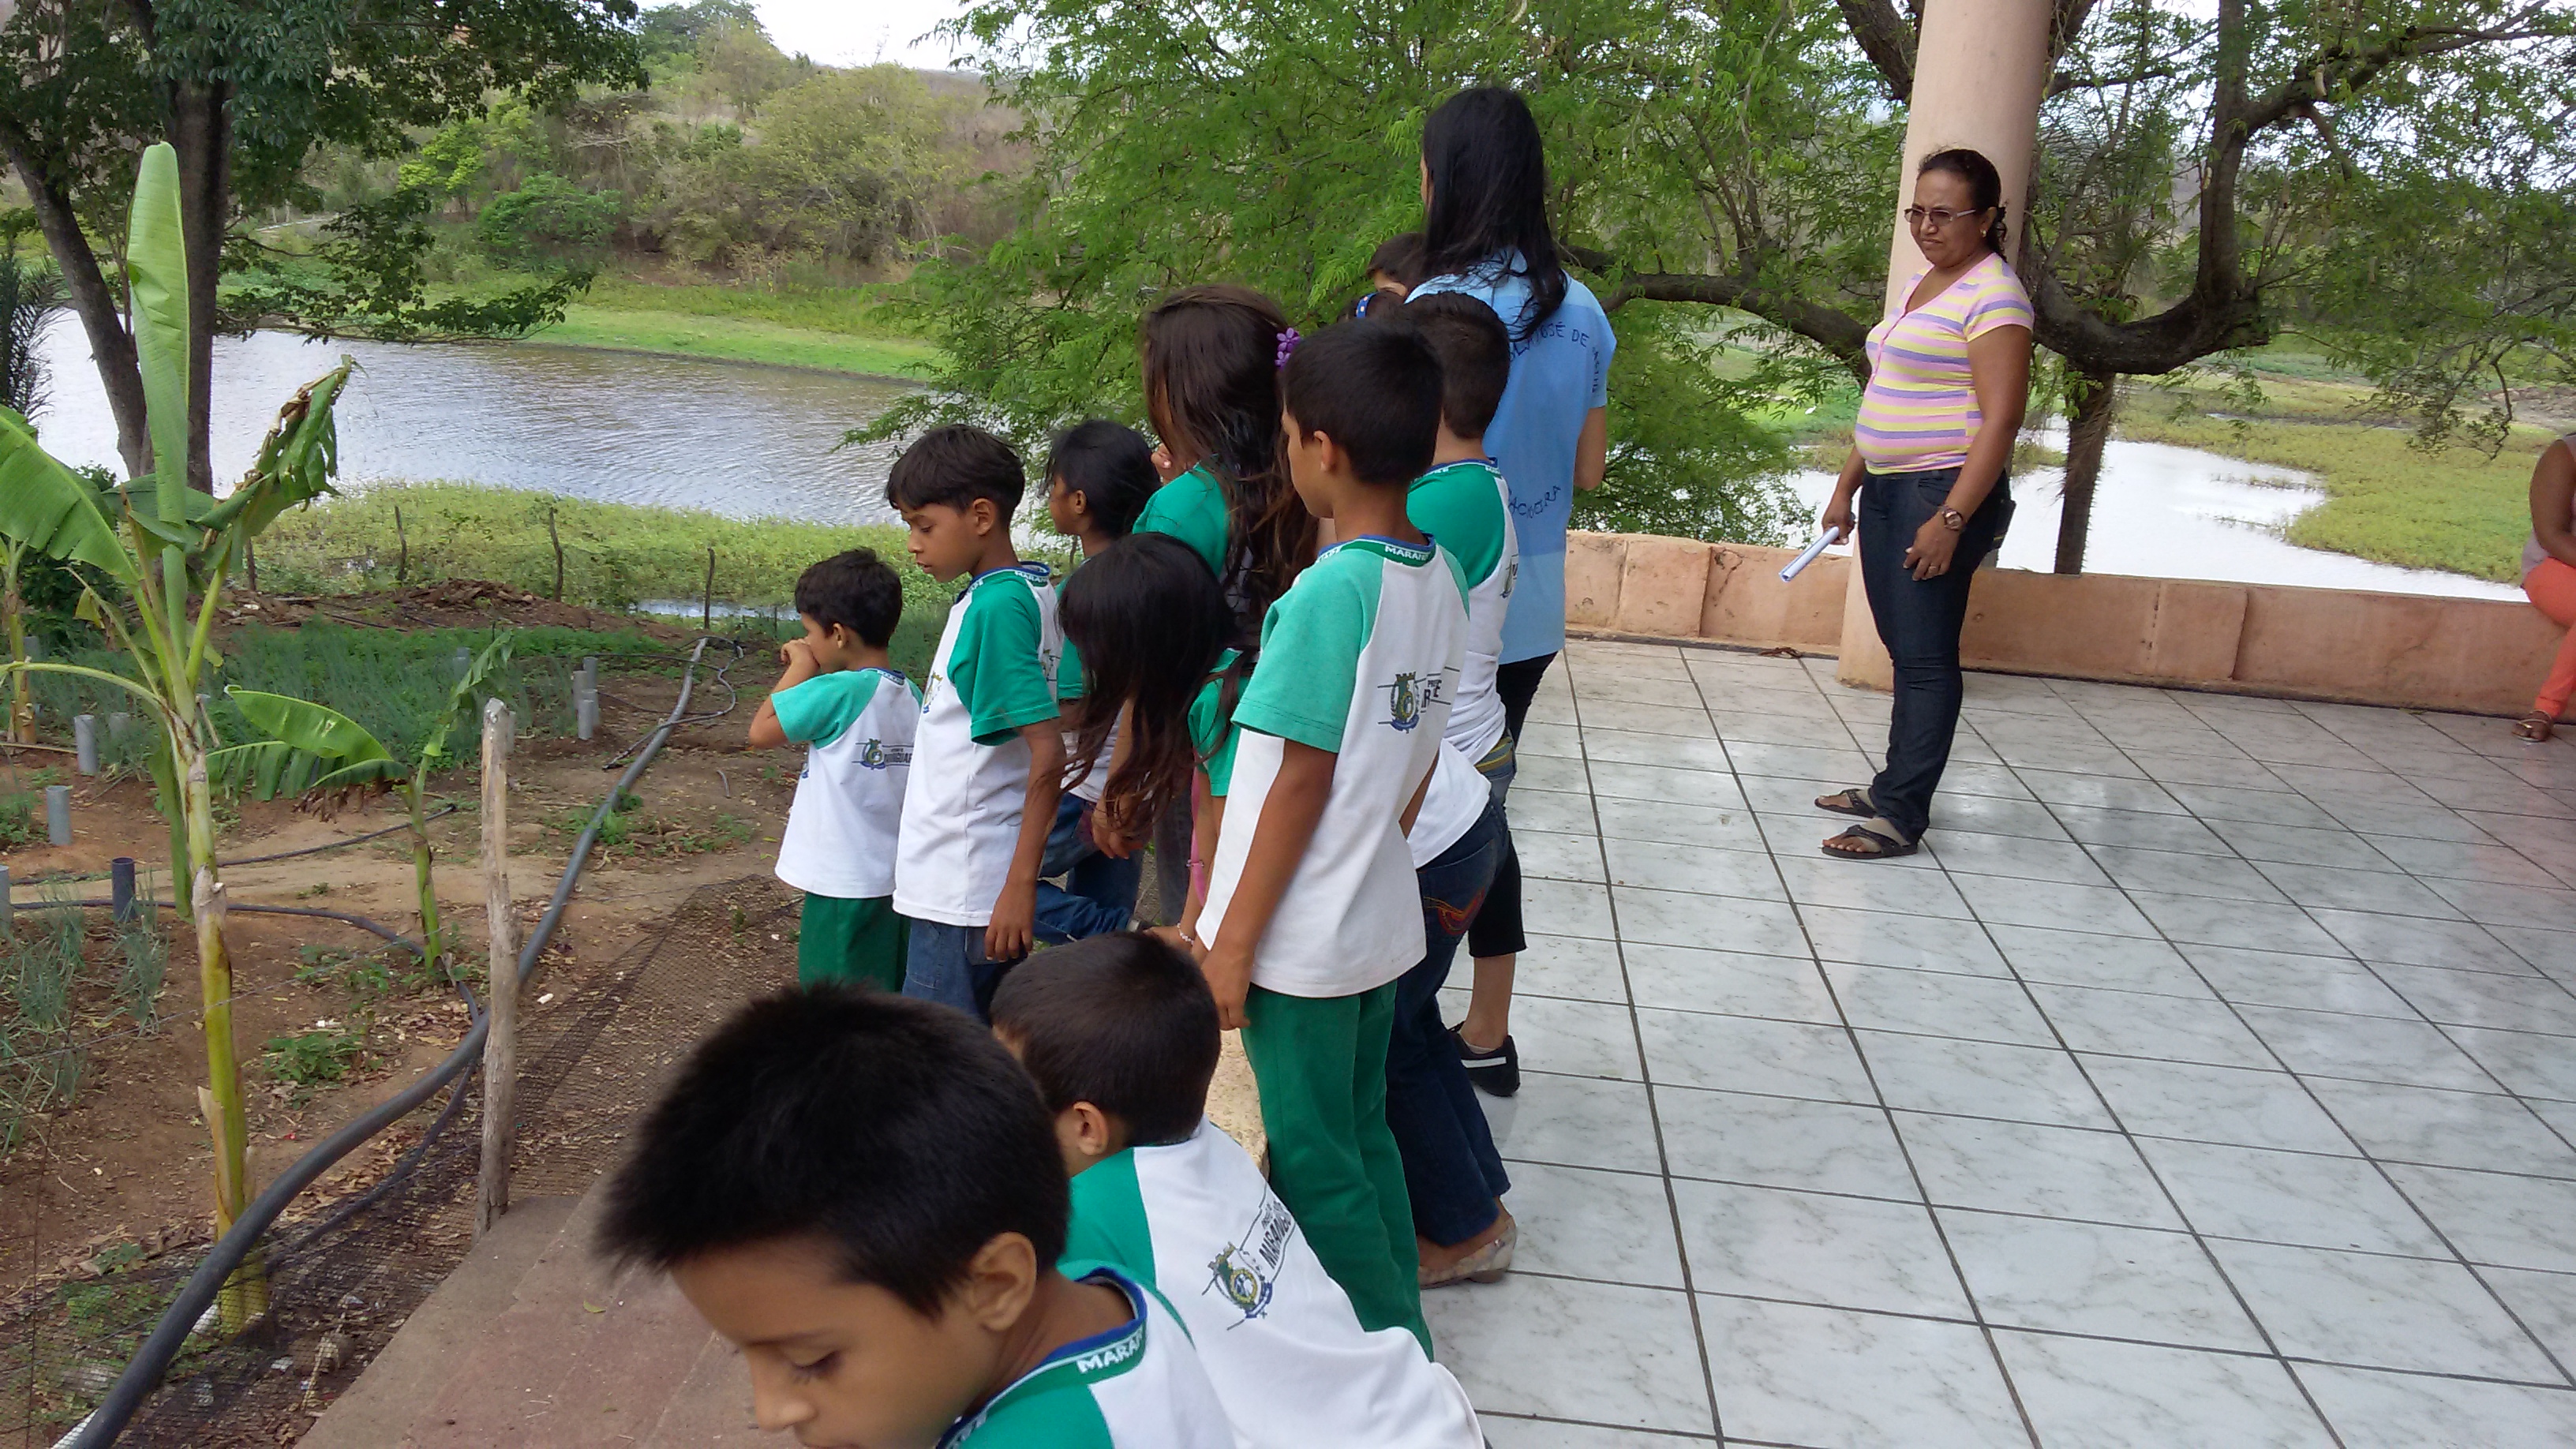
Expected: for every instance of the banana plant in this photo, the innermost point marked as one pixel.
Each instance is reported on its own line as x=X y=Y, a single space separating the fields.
x=22 y=708
x=163 y=547
x=315 y=751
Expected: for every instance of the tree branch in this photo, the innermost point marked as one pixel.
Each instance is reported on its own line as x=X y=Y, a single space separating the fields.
x=2065 y=81
x=1836 y=331
x=1887 y=38
x=2342 y=67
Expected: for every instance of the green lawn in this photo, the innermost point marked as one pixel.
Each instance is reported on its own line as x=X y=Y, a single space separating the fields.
x=834 y=329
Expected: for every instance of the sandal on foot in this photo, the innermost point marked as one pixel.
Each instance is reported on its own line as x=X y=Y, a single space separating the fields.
x=2535 y=726
x=1854 y=801
x=1487 y=1264
x=1876 y=840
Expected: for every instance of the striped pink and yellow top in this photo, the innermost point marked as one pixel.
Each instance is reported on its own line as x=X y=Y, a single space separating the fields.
x=1920 y=410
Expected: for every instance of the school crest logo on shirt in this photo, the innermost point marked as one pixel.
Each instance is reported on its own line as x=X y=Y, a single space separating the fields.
x=1246 y=1271
x=1406 y=697
x=877 y=755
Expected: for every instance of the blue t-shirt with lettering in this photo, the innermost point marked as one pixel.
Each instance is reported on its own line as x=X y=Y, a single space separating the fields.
x=1560 y=373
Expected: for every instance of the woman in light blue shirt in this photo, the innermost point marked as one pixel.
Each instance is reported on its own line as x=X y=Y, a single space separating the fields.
x=1485 y=233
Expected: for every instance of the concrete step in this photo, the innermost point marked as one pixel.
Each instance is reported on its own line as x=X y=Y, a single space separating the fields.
x=416 y=1364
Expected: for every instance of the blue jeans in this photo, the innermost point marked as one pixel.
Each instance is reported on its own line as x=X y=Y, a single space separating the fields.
x=947 y=964
x=1452 y=1173
x=1099 y=891
x=1919 y=621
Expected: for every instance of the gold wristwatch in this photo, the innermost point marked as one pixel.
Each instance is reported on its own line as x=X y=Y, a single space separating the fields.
x=1952 y=519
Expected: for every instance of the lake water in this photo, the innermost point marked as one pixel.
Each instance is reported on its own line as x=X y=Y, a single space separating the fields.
x=756 y=442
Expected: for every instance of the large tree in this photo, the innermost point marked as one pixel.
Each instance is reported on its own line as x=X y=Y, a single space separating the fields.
x=2203 y=182
x=244 y=90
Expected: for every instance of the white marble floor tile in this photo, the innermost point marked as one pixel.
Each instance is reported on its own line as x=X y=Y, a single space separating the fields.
x=1653 y=719
x=2450 y=860
x=2416 y=941
x=1808 y=1247
x=1550 y=772
x=1739 y=727
x=1623 y=747
x=2057 y=906
x=2202 y=921
x=2021 y=1167
x=1745 y=1054
x=2100 y=792
x=1559 y=855
x=2365 y=1048
x=1567 y=908
x=2428 y=821
x=1612 y=1227
x=1972 y=777
x=1667 y=823
x=1505 y=1431
x=1659 y=784
x=2340 y=888
x=2545 y=1302
x=1783 y=1142
x=1578 y=1038
x=2017 y=856
x=2227 y=769
x=2307 y=983
x=1604 y=1353
x=1575 y=1121
x=2216 y=1104
x=1720 y=923
x=2469 y=1130
x=2373 y=1410
x=1698 y=869
x=2288 y=1197
x=2510 y=905
x=1981 y=1079
x=2093 y=1278
x=1878 y=938
x=1556 y=810
x=1583 y=968
x=1994 y=815
x=2187 y=873
x=2167 y=1028
x=1937 y=1003
x=2526 y=1062
x=2514 y=1222
x=2380 y=1312
x=2298 y=845
x=2118 y=963
x=2554 y=952
x=1753 y=757
x=1554 y=740
x=1734 y=983
x=2255 y=805
x=1791 y=1374
x=2138 y=829
x=1868 y=886
x=2090 y=1394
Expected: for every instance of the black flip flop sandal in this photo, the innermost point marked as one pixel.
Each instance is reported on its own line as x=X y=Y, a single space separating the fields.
x=1854 y=801
x=1881 y=846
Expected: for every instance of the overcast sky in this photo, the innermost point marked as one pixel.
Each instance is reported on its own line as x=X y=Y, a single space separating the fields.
x=861 y=32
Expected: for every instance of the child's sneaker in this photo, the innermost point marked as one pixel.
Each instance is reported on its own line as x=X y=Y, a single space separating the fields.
x=1496 y=1073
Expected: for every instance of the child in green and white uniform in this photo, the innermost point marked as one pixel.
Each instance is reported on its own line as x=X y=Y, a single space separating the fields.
x=861 y=1192
x=842 y=698
x=1309 y=921
x=1120 y=1034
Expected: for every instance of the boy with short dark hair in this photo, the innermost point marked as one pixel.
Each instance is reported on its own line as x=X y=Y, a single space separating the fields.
x=1312 y=907
x=862 y=1193
x=844 y=700
x=988 y=761
x=1099 y=474
x=1121 y=1035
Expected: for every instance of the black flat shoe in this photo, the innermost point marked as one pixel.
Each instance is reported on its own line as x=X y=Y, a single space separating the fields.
x=1496 y=1073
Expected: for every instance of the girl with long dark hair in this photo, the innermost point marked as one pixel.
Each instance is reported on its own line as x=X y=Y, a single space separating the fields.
x=1486 y=234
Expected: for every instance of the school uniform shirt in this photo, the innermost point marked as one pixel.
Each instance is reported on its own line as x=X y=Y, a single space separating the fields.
x=1358 y=658
x=1456 y=800
x=994 y=673
x=1070 y=686
x=1212 y=731
x=857 y=726
x=1195 y=1221
x=1191 y=508
x=1137 y=1386
x=1466 y=508
x=1560 y=373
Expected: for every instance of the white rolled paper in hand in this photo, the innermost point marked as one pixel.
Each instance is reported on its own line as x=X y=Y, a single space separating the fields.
x=1799 y=564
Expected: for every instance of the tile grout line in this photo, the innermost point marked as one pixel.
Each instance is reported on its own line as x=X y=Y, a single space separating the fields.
x=1646 y=1076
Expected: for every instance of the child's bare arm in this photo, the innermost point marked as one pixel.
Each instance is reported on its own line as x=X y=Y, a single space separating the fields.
x=766 y=732
x=1014 y=923
x=1207 y=818
x=1279 y=839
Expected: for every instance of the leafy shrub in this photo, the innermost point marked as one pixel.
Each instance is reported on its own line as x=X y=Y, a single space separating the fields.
x=546 y=219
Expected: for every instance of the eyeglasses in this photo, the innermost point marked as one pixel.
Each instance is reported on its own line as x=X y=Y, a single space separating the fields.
x=1937 y=217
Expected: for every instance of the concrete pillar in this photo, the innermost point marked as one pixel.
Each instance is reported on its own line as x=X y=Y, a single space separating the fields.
x=1980 y=71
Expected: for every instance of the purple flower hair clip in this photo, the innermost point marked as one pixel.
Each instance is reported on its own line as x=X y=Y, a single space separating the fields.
x=1288 y=341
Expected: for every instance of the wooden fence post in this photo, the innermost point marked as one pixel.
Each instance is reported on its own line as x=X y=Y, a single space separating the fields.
x=501 y=990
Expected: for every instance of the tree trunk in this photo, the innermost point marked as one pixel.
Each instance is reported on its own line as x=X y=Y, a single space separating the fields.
x=110 y=345
x=201 y=131
x=2096 y=397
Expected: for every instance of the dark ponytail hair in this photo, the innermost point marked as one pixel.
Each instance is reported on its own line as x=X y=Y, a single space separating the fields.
x=1151 y=623
x=1212 y=391
x=1985 y=185
x=1489 y=197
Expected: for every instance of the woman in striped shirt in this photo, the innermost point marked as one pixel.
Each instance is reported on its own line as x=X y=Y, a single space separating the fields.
x=1949 y=377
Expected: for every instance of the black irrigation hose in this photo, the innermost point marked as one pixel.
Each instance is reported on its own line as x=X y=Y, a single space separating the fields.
x=442 y=810
x=144 y=1371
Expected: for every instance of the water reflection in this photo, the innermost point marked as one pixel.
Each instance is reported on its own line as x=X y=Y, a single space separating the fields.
x=625 y=428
